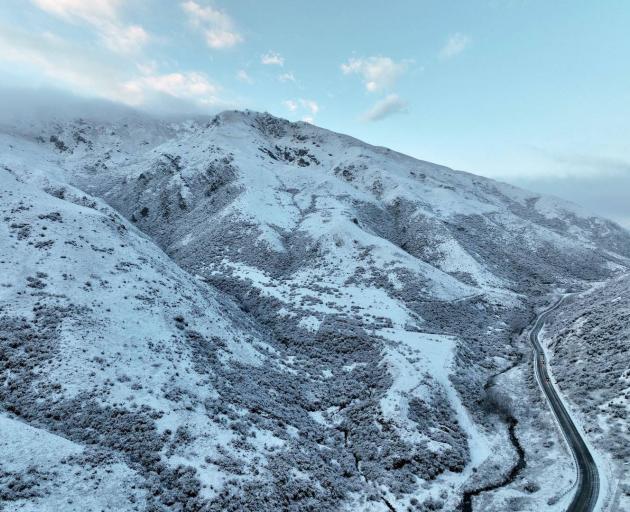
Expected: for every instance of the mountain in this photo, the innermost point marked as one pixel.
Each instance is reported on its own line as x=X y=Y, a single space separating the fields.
x=109 y=353
x=589 y=343
x=243 y=313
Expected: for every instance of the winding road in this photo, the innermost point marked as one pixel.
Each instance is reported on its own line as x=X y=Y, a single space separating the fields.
x=587 y=485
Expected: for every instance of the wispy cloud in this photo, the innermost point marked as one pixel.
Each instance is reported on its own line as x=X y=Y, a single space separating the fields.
x=190 y=85
x=377 y=72
x=455 y=44
x=598 y=183
x=286 y=77
x=79 y=9
x=243 y=76
x=388 y=106
x=106 y=76
x=104 y=16
x=216 y=25
x=582 y=165
x=272 y=59
x=53 y=57
x=310 y=105
x=291 y=105
x=306 y=106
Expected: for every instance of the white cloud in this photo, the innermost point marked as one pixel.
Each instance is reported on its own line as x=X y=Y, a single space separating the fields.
x=147 y=68
x=378 y=72
x=291 y=105
x=50 y=55
x=286 y=77
x=124 y=39
x=310 y=105
x=104 y=17
x=391 y=104
x=272 y=59
x=191 y=85
x=243 y=76
x=455 y=44
x=305 y=105
x=92 y=11
x=216 y=25
x=308 y=119
x=62 y=63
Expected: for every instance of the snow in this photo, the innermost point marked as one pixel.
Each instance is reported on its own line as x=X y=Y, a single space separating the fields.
x=603 y=462
x=25 y=447
x=419 y=354
x=299 y=229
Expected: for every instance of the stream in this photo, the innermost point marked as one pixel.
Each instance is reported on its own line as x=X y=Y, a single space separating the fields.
x=520 y=463
x=510 y=477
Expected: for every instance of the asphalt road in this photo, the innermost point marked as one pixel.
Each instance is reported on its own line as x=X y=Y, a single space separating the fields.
x=587 y=486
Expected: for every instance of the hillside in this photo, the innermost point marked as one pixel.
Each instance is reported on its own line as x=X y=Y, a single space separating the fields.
x=590 y=345
x=273 y=315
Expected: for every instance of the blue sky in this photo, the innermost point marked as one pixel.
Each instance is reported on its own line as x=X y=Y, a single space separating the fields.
x=532 y=92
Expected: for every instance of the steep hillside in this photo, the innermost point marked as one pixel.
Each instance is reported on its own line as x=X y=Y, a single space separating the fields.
x=590 y=345
x=116 y=365
x=365 y=298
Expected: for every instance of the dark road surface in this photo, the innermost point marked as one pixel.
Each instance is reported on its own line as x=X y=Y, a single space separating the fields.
x=587 y=486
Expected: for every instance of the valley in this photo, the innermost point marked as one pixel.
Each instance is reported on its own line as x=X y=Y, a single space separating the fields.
x=237 y=312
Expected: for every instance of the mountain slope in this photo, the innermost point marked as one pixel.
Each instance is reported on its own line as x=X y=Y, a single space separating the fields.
x=372 y=294
x=100 y=337
x=590 y=343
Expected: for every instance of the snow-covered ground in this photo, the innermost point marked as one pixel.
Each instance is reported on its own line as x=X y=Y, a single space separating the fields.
x=98 y=336
x=588 y=346
x=286 y=314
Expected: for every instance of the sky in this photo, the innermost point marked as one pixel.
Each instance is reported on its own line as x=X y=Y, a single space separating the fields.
x=535 y=93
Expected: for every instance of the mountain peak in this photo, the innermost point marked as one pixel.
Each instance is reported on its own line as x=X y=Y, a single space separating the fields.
x=227 y=308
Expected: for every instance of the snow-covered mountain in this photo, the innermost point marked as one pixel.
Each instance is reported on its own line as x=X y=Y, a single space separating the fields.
x=589 y=341
x=245 y=313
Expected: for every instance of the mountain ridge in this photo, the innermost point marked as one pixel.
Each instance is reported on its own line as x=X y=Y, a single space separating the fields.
x=378 y=292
